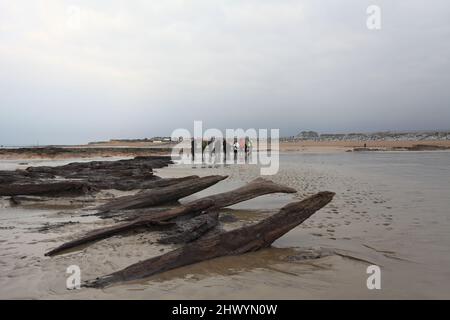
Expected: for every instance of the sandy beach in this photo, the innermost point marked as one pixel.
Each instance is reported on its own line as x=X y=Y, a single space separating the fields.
x=390 y=209
x=339 y=146
x=80 y=152
x=132 y=149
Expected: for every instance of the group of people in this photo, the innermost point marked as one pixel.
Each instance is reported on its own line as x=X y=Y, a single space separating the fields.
x=216 y=149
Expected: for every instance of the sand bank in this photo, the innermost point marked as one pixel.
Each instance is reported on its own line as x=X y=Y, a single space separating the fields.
x=80 y=152
x=342 y=146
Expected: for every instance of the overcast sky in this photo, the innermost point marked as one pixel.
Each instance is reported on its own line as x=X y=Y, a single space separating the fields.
x=133 y=69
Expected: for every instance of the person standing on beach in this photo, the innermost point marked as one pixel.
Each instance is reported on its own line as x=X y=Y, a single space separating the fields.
x=235 y=148
x=211 y=148
x=193 y=149
x=224 y=149
x=217 y=145
x=248 y=145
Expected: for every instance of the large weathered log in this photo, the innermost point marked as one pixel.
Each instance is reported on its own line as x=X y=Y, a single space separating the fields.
x=103 y=233
x=131 y=184
x=161 y=195
x=95 y=235
x=253 y=189
x=46 y=188
x=74 y=188
x=235 y=242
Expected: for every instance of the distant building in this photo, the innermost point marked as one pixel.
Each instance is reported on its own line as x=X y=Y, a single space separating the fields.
x=308 y=135
x=332 y=137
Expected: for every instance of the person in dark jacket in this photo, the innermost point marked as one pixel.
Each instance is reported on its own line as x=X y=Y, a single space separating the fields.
x=224 y=149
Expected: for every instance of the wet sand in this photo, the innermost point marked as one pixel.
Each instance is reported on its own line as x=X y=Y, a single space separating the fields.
x=390 y=209
x=82 y=152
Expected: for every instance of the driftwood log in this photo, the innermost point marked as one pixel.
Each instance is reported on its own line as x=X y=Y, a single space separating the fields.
x=60 y=188
x=235 y=242
x=251 y=190
x=160 y=195
x=117 y=229
x=75 y=188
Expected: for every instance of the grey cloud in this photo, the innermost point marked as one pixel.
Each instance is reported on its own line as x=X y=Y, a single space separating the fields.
x=138 y=69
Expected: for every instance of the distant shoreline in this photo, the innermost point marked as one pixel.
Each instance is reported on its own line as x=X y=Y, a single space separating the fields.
x=140 y=149
x=79 y=152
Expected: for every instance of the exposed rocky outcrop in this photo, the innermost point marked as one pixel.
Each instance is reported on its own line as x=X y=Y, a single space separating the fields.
x=87 y=177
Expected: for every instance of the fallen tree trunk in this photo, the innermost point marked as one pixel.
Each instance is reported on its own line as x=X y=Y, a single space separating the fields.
x=74 y=187
x=46 y=188
x=235 y=242
x=94 y=235
x=159 y=183
x=253 y=189
x=160 y=195
x=103 y=233
x=132 y=183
